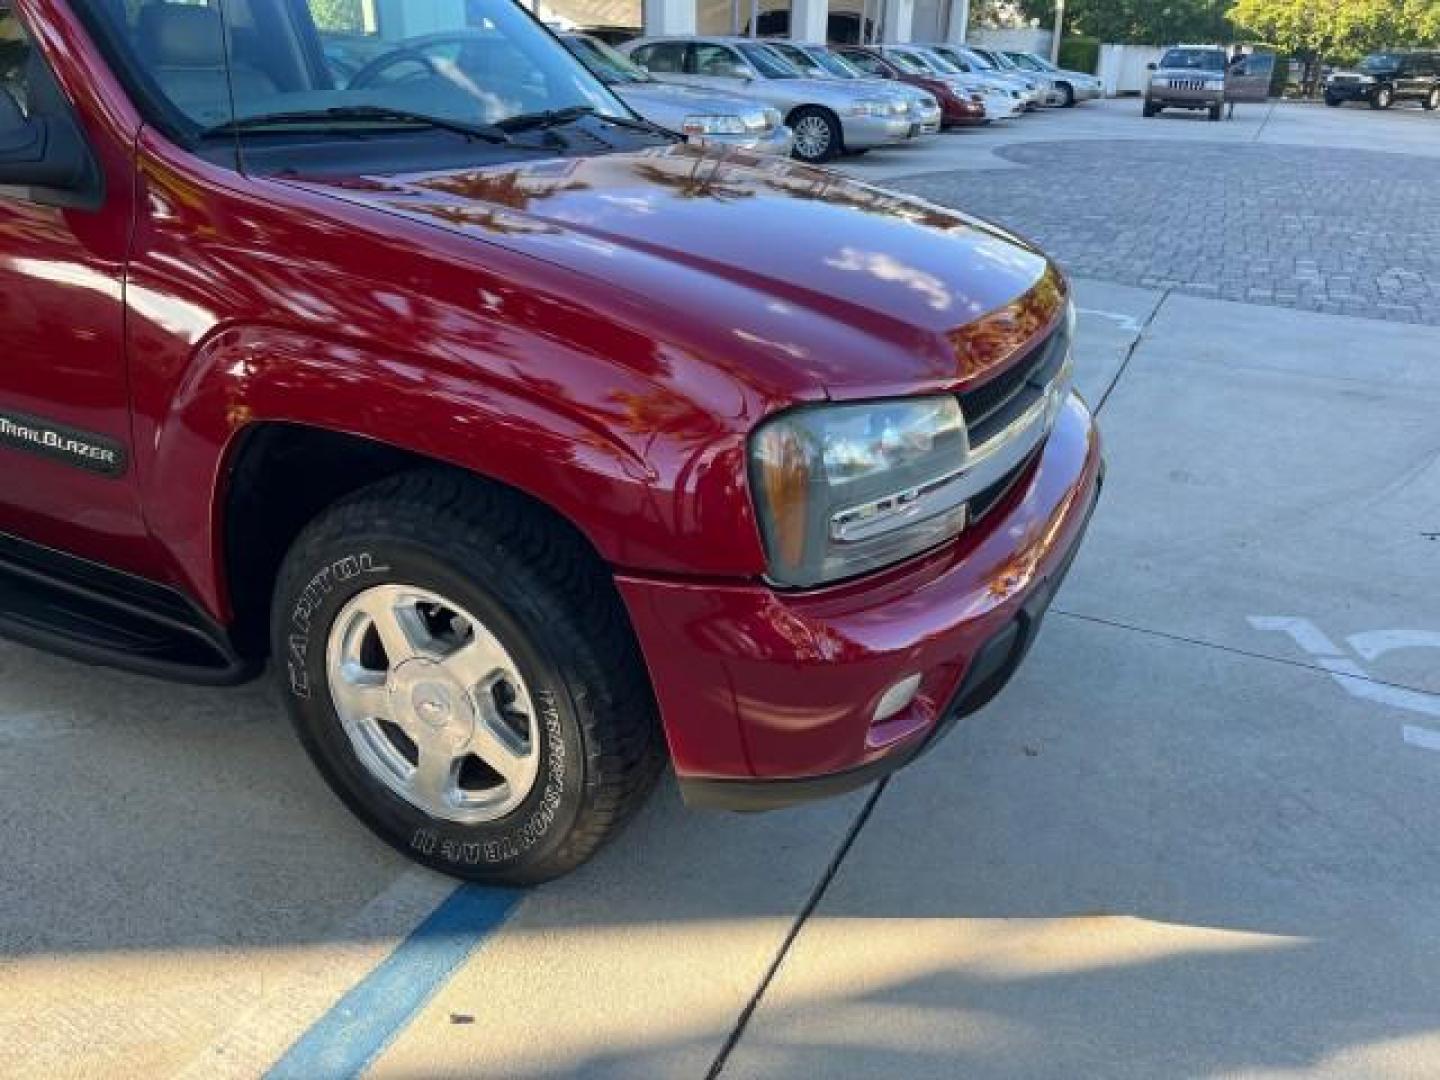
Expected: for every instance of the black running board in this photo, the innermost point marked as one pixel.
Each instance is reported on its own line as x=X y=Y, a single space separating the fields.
x=91 y=613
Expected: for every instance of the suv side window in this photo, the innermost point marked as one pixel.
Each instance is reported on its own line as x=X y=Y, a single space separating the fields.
x=665 y=57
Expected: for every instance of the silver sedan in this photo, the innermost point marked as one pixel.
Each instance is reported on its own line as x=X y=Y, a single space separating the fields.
x=818 y=62
x=708 y=115
x=829 y=117
x=1073 y=85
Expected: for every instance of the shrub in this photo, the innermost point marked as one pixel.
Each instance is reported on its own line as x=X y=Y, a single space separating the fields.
x=1080 y=54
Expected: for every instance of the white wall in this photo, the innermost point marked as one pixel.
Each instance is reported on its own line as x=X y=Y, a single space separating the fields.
x=1122 y=68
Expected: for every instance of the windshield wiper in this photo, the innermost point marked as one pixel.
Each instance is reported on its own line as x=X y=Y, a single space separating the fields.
x=490 y=133
x=550 y=118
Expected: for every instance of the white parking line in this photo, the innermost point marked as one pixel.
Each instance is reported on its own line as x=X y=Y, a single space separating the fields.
x=1129 y=323
x=1424 y=738
x=1354 y=679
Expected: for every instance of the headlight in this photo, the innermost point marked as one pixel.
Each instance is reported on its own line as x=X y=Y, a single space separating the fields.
x=841 y=489
x=714 y=125
x=870 y=107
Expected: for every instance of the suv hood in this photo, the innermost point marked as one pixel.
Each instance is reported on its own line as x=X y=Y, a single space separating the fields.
x=803 y=275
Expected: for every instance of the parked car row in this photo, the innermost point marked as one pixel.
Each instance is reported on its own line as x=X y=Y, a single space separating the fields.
x=818 y=102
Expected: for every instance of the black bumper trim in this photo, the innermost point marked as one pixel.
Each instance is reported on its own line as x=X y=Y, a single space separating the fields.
x=989 y=672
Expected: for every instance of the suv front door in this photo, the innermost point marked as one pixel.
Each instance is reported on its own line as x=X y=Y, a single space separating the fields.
x=65 y=477
x=1249 y=78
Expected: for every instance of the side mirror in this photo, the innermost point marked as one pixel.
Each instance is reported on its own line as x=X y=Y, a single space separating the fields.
x=47 y=153
x=1152 y=67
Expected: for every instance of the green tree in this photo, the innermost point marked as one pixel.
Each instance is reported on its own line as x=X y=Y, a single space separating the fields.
x=344 y=15
x=1140 y=22
x=1318 y=30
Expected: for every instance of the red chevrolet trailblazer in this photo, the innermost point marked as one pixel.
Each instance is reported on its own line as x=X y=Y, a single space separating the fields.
x=530 y=444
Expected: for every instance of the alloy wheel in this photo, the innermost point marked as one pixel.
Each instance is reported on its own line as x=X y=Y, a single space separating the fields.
x=812 y=137
x=434 y=705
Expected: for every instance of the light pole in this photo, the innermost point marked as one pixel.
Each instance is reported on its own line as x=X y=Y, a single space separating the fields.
x=1059 y=30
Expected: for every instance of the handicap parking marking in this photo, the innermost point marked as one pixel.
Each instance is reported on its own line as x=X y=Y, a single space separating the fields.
x=363 y=1023
x=1128 y=323
x=1355 y=679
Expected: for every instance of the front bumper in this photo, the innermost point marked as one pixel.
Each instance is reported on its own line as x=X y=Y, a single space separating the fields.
x=779 y=141
x=1003 y=107
x=769 y=698
x=863 y=132
x=963 y=112
x=1179 y=97
x=1350 y=91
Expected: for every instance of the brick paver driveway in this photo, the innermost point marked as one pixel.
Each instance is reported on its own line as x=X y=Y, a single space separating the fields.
x=1323 y=229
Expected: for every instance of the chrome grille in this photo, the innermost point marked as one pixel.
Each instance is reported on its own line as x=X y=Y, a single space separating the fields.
x=995 y=403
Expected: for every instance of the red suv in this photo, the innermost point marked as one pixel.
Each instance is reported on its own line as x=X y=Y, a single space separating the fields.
x=528 y=443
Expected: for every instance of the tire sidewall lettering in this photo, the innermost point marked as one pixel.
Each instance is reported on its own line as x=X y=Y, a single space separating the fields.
x=326 y=580
x=433 y=843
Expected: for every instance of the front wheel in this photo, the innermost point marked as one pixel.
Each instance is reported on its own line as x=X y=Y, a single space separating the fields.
x=817 y=135
x=1216 y=111
x=1067 y=96
x=1333 y=102
x=461 y=671
x=1151 y=110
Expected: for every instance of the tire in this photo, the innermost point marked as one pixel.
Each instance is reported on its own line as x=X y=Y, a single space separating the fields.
x=1383 y=98
x=1216 y=111
x=1333 y=102
x=817 y=135
x=517 y=651
x=1432 y=100
x=1151 y=110
x=1067 y=94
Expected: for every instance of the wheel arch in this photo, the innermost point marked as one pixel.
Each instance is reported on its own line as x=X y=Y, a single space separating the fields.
x=265 y=411
x=280 y=477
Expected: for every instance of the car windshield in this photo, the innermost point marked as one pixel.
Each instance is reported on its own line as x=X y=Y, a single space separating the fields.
x=1380 y=62
x=799 y=58
x=1193 y=60
x=216 y=68
x=610 y=67
x=979 y=61
x=908 y=62
x=1031 y=63
x=941 y=63
x=769 y=63
x=837 y=66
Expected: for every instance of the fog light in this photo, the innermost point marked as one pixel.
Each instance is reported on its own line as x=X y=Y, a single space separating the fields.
x=897 y=699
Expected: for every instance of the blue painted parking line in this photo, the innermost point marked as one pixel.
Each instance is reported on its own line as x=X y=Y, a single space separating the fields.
x=344 y=1041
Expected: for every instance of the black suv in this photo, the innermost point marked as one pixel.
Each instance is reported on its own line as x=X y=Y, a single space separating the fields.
x=1385 y=78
